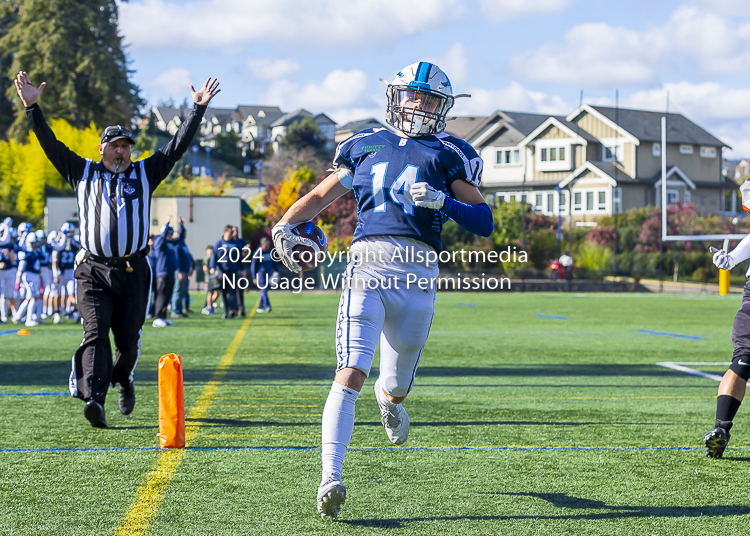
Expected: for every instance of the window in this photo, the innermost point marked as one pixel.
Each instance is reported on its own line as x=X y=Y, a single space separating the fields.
x=524 y=199
x=577 y=202
x=563 y=202
x=656 y=149
x=552 y=158
x=508 y=157
x=708 y=152
x=553 y=154
x=589 y=201
x=616 y=200
x=512 y=197
x=686 y=149
x=602 y=205
x=550 y=203
x=538 y=202
x=499 y=199
x=673 y=196
x=687 y=196
x=612 y=153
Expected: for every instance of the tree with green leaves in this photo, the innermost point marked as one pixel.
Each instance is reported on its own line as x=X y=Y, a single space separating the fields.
x=74 y=47
x=304 y=133
x=228 y=149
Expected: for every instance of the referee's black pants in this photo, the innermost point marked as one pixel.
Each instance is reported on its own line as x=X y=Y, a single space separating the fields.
x=109 y=297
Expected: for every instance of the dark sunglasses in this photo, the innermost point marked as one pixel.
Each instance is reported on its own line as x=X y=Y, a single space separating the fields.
x=114 y=132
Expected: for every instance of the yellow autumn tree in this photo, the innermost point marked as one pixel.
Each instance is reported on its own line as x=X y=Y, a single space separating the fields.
x=279 y=198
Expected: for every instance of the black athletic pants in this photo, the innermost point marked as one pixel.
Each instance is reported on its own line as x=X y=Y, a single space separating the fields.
x=109 y=297
x=228 y=294
x=164 y=289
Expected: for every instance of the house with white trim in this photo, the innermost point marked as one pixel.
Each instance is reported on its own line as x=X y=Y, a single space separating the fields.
x=597 y=161
x=280 y=126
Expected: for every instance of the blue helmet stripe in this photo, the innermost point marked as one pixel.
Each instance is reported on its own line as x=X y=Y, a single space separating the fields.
x=423 y=70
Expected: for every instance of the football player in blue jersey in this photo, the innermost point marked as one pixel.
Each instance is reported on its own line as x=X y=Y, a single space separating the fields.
x=29 y=277
x=45 y=251
x=407 y=184
x=63 y=271
x=8 y=268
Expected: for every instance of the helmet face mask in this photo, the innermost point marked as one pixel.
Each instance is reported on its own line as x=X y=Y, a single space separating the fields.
x=419 y=99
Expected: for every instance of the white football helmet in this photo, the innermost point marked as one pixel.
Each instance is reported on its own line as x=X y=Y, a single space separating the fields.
x=24 y=228
x=67 y=228
x=32 y=240
x=419 y=99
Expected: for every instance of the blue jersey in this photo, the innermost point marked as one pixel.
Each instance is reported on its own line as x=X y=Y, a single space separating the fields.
x=227 y=256
x=5 y=258
x=45 y=250
x=30 y=261
x=385 y=165
x=8 y=256
x=66 y=257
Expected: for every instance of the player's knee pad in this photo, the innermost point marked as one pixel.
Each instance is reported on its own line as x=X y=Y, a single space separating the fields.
x=741 y=365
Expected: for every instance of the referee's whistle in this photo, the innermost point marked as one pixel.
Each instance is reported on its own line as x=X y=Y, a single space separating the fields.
x=128 y=268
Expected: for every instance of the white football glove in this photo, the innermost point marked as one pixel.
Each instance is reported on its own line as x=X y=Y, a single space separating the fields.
x=426 y=196
x=745 y=191
x=723 y=260
x=285 y=240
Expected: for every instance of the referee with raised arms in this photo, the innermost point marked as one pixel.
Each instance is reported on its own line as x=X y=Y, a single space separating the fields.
x=113 y=276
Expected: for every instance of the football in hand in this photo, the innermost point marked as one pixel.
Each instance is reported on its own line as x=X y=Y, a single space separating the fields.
x=308 y=258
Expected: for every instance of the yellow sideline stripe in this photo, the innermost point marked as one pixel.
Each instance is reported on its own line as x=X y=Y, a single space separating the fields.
x=150 y=495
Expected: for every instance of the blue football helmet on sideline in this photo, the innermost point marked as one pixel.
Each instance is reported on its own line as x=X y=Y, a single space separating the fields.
x=418 y=99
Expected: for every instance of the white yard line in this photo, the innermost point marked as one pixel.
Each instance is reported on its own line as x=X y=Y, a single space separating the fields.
x=679 y=367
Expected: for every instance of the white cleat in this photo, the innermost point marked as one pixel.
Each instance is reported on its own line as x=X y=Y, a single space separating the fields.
x=32 y=323
x=394 y=418
x=331 y=497
x=159 y=323
x=56 y=318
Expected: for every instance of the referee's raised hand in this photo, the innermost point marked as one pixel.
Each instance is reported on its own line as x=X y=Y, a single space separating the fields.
x=204 y=95
x=26 y=90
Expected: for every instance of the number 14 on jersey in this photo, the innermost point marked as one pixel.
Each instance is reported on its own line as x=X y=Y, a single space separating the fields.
x=399 y=190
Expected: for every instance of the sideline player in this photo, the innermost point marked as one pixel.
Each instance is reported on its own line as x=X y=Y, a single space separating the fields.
x=63 y=270
x=8 y=269
x=734 y=383
x=406 y=184
x=29 y=277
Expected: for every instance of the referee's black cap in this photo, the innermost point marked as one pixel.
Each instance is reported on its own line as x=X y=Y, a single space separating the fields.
x=116 y=132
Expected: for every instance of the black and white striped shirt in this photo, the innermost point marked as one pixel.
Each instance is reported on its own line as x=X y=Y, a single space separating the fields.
x=114 y=208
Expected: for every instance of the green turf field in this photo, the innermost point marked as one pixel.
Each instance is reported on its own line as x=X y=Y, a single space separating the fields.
x=520 y=425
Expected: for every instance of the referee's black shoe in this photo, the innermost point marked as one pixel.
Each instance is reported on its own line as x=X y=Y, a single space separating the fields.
x=94 y=413
x=126 y=402
x=716 y=441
